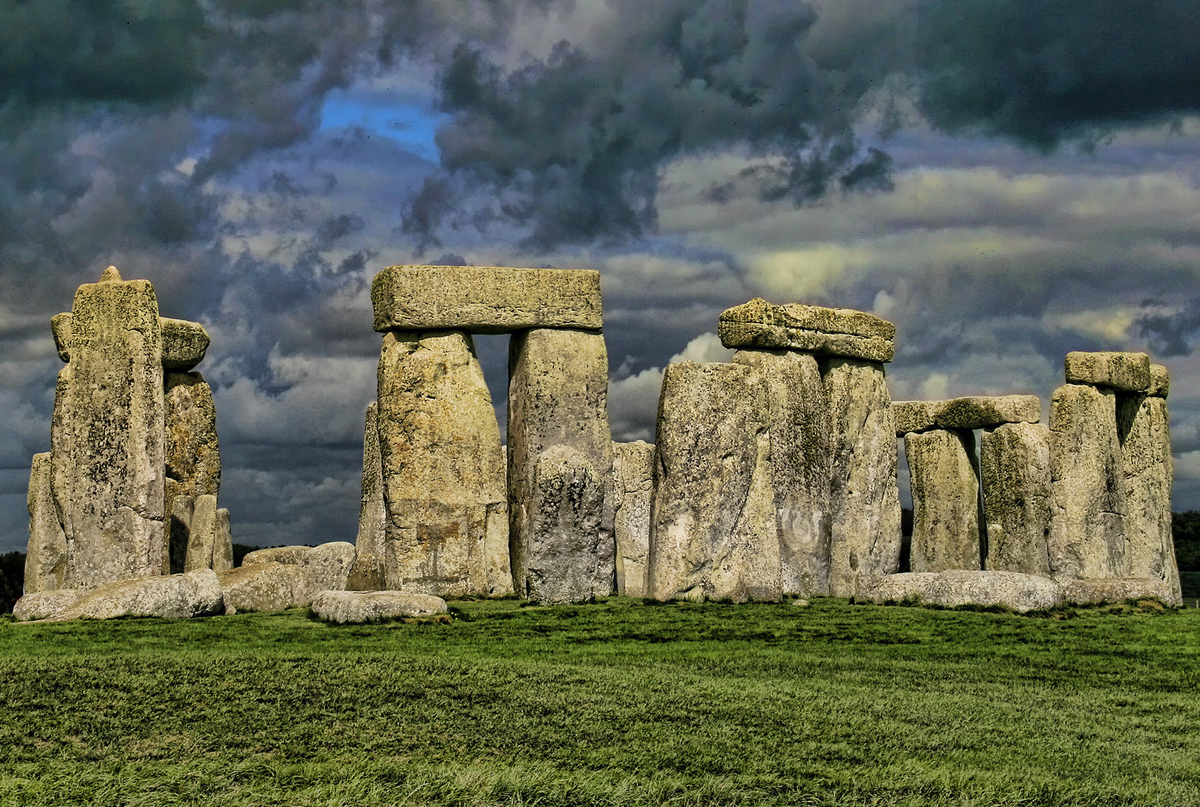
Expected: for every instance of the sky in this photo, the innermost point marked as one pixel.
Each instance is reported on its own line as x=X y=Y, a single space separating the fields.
x=1005 y=181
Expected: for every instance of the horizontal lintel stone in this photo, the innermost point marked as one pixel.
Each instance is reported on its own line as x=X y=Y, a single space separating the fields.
x=485 y=299
x=825 y=331
x=1126 y=372
x=184 y=343
x=973 y=412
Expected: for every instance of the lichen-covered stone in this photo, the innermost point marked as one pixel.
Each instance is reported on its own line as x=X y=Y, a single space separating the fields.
x=633 y=482
x=372 y=515
x=1144 y=429
x=263 y=587
x=60 y=326
x=1095 y=592
x=1015 y=465
x=355 y=607
x=184 y=344
x=945 y=496
x=287 y=555
x=46 y=554
x=1127 y=372
x=193 y=452
x=713 y=533
x=484 y=299
x=825 y=331
x=177 y=530
x=203 y=534
x=954 y=588
x=326 y=568
x=366 y=573
x=223 y=543
x=974 y=412
x=1160 y=381
x=177 y=596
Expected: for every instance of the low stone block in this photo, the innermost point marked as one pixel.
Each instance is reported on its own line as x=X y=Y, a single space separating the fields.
x=633 y=482
x=950 y=589
x=288 y=555
x=1094 y=592
x=353 y=607
x=326 y=568
x=974 y=412
x=184 y=344
x=1160 y=381
x=1126 y=372
x=177 y=596
x=483 y=299
x=824 y=331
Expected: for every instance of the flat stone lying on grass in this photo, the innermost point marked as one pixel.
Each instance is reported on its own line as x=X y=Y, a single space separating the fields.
x=972 y=412
x=288 y=576
x=824 y=331
x=262 y=587
x=1092 y=592
x=177 y=596
x=1020 y=592
x=1127 y=372
x=345 y=607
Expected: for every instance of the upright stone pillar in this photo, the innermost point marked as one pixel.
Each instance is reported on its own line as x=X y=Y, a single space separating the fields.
x=203 y=534
x=193 y=451
x=633 y=482
x=945 y=493
x=46 y=556
x=443 y=482
x=371 y=512
x=1015 y=463
x=558 y=396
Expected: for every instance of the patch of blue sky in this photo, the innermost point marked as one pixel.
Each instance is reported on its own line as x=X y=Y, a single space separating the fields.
x=408 y=124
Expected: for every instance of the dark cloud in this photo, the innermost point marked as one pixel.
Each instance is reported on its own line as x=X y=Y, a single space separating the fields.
x=1170 y=332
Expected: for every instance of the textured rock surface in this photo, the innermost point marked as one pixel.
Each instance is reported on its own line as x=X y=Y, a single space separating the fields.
x=46 y=554
x=288 y=576
x=263 y=587
x=107 y=440
x=945 y=496
x=223 y=543
x=558 y=396
x=289 y=555
x=60 y=326
x=203 y=534
x=177 y=530
x=801 y=465
x=1160 y=381
x=366 y=573
x=372 y=515
x=485 y=299
x=1020 y=592
x=826 y=331
x=713 y=534
x=1015 y=464
x=343 y=607
x=975 y=412
x=184 y=344
x=45 y=604
x=633 y=475
x=1144 y=428
x=1128 y=372
x=1093 y=592
x=326 y=568
x=1087 y=484
x=193 y=452
x=864 y=498
x=443 y=479
x=177 y=596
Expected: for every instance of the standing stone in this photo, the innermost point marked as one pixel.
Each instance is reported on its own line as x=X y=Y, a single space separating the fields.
x=178 y=529
x=443 y=482
x=203 y=535
x=558 y=396
x=633 y=475
x=372 y=515
x=801 y=465
x=864 y=498
x=46 y=556
x=192 y=450
x=1087 y=483
x=713 y=532
x=223 y=543
x=945 y=494
x=1144 y=427
x=1015 y=463
x=108 y=452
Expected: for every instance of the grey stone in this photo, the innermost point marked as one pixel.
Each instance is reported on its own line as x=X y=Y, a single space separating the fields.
x=60 y=326
x=864 y=498
x=1015 y=464
x=223 y=543
x=1087 y=483
x=1144 y=429
x=951 y=589
x=801 y=465
x=1160 y=381
x=366 y=573
x=558 y=396
x=713 y=533
x=443 y=480
x=945 y=496
x=372 y=515
x=177 y=596
x=1095 y=592
x=193 y=452
x=1127 y=372
x=286 y=555
x=36 y=605
x=326 y=568
x=825 y=331
x=263 y=587
x=354 y=607
x=974 y=412
x=177 y=529
x=46 y=554
x=633 y=476
x=483 y=299
x=184 y=344
x=203 y=534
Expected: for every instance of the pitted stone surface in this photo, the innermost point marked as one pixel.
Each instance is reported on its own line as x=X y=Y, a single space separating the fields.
x=974 y=412
x=483 y=299
x=372 y=515
x=263 y=586
x=1127 y=372
x=633 y=475
x=713 y=534
x=1160 y=381
x=46 y=555
x=326 y=568
x=223 y=543
x=184 y=344
x=203 y=534
x=801 y=465
x=865 y=501
x=355 y=607
x=950 y=589
x=1015 y=464
x=1144 y=428
x=945 y=496
x=60 y=326
x=177 y=532
x=1094 y=592
x=193 y=451
x=287 y=555
x=825 y=331
x=366 y=573
x=177 y=596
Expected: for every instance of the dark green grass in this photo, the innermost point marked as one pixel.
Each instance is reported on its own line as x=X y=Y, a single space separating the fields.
x=611 y=704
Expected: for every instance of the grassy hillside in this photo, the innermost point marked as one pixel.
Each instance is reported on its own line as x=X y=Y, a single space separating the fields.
x=617 y=703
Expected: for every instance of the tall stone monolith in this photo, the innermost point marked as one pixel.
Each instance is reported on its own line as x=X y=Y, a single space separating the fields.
x=945 y=495
x=443 y=481
x=1144 y=428
x=46 y=556
x=372 y=516
x=202 y=537
x=633 y=482
x=193 y=451
x=1015 y=464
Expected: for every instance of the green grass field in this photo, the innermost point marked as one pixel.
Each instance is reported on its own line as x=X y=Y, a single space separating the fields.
x=614 y=703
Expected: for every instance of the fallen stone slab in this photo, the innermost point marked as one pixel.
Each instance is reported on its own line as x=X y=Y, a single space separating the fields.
x=824 y=331
x=1127 y=372
x=950 y=589
x=973 y=412
x=343 y=607
x=184 y=344
x=1094 y=592
x=289 y=555
x=176 y=596
x=262 y=587
x=485 y=299
x=288 y=576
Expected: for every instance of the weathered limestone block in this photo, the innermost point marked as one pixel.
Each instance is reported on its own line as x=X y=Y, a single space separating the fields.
x=864 y=498
x=177 y=596
x=826 y=331
x=355 y=607
x=487 y=299
x=974 y=412
x=366 y=573
x=1127 y=372
x=558 y=396
x=1160 y=381
x=326 y=568
x=801 y=465
x=60 y=326
x=193 y=452
x=287 y=555
x=288 y=576
x=1015 y=464
x=443 y=481
x=633 y=475
x=37 y=605
x=262 y=587
x=1094 y=592
x=203 y=534
x=945 y=495
x=1144 y=428
x=372 y=515
x=1087 y=484
x=184 y=344
x=107 y=442
x=713 y=533
x=950 y=589
x=223 y=543
x=177 y=529
x=46 y=555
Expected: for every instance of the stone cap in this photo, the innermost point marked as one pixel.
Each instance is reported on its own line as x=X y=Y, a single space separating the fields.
x=184 y=343
x=1160 y=381
x=825 y=331
x=1126 y=372
x=973 y=412
x=485 y=299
